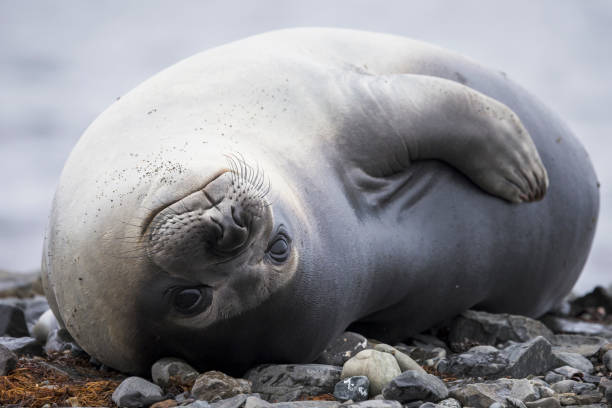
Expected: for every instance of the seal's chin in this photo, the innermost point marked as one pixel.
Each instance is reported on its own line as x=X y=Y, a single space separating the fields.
x=207 y=227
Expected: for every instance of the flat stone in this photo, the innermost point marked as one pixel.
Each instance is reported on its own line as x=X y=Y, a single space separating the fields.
x=569 y=372
x=575 y=326
x=8 y=360
x=288 y=382
x=484 y=394
x=12 y=321
x=473 y=328
x=22 y=345
x=574 y=360
x=342 y=348
x=414 y=385
x=255 y=402
x=379 y=367
x=551 y=377
x=196 y=404
x=375 y=404
x=549 y=402
x=567 y=386
x=474 y=364
x=306 y=404
x=169 y=370
x=236 y=401
x=215 y=385
x=517 y=361
x=449 y=403
x=352 y=388
x=586 y=346
x=404 y=361
x=136 y=392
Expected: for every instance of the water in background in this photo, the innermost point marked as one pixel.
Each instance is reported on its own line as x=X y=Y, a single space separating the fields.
x=63 y=62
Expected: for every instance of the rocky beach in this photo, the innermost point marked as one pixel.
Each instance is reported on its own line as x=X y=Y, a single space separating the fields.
x=477 y=359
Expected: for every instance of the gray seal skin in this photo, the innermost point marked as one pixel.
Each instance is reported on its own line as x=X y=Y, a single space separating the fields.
x=251 y=202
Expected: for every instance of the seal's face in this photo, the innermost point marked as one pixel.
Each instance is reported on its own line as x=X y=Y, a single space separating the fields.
x=221 y=250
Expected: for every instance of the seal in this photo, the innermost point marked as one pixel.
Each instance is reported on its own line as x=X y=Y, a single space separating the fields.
x=250 y=203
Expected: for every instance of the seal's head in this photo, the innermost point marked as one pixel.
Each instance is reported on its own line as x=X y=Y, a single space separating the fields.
x=205 y=273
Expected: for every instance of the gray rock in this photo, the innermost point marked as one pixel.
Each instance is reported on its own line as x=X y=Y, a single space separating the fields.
x=483 y=349
x=236 y=401
x=8 y=360
x=549 y=402
x=379 y=367
x=531 y=357
x=496 y=405
x=574 y=360
x=473 y=328
x=414 y=385
x=288 y=382
x=173 y=370
x=608 y=395
x=482 y=395
x=342 y=348
x=22 y=345
x=517 y=361
x=552 y=377
x=136 y=392
x=255 y=402
x=586 y=346
x=449 y=403
x=564 y=386
x=607 y=360
x=569 y=372
x=575 y=326
x=197 y=404
x=12 y=321
x=375 y=404
x=404 y=361
x=306 y=404
x=215 y=385
x=352 y=388
x=474 y=364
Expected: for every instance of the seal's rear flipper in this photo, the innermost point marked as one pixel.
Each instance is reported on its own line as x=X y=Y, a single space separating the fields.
x=414 y=117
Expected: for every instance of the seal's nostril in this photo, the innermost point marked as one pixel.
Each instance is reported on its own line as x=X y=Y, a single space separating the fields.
x=221 y=231
x=237 y=218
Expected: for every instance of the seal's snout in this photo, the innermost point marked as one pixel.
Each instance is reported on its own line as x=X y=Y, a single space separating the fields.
x=206 y=227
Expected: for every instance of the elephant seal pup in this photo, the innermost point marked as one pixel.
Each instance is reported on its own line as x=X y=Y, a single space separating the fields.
x=249 y=203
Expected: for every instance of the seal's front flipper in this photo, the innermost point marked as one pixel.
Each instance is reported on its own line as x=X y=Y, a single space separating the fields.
x=403 y=118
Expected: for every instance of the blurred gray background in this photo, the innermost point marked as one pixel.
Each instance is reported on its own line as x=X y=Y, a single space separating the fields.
x=63 y=62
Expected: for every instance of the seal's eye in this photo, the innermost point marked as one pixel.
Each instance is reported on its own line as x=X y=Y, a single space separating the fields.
x=192 y=300
x=279 y=249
